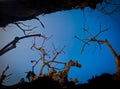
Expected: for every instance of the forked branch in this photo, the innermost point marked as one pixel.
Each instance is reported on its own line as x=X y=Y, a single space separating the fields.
x=99 y=41
x=13 y=43
x=43 y=57
x=4 y=76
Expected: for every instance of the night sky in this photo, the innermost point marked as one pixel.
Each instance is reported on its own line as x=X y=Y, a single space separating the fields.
x=60 y=28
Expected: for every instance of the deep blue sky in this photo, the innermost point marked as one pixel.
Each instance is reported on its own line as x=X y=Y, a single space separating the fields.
x=62 y=27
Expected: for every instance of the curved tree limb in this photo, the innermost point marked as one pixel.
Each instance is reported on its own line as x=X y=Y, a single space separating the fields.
x=95 y=39
x=116 y=56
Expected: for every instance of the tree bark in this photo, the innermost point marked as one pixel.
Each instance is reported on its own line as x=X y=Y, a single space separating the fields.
x=116 y=56
x=20 y=10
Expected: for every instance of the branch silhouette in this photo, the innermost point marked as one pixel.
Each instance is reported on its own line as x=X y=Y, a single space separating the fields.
x=13 y=43
x=4 y=76
x=99 y=41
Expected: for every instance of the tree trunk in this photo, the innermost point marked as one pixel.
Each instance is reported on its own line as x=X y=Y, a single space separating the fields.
x=20 y=10
x=116 y=57
x=117 y=60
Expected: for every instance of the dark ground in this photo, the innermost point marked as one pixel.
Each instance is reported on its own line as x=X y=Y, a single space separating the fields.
x=104 y=81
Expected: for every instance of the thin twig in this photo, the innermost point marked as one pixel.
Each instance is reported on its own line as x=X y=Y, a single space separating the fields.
x=24 y=30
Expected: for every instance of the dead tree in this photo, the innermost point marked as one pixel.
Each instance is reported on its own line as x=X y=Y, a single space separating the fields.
x=99 y=41
x=62 y=76
x=19 y=10
x=43 y=58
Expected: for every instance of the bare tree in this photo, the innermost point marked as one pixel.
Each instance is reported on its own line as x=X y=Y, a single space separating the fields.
x=99 y=41
x=14 y=11
x=43 y=58
x=63 y=75
x=60 y=76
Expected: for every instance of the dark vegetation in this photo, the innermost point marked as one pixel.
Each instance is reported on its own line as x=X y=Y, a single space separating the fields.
x=29 y=9
x=98 y=82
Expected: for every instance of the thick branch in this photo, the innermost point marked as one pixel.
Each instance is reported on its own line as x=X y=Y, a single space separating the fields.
x=108 y=44
x=116 y=56
x=62 y=75
x=13 y=43
x=49 y=61
x=94 y=39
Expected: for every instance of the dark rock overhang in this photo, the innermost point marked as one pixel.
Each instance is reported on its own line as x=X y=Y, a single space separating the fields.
x=20 y=10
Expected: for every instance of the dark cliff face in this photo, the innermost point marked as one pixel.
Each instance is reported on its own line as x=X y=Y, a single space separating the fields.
x=20 y=10
x=17 y=10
